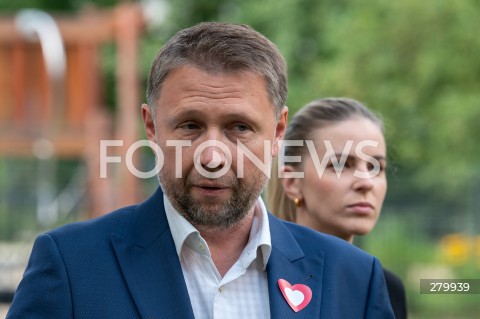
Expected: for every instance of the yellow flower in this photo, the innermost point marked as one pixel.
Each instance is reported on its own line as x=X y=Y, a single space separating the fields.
x=456 y=249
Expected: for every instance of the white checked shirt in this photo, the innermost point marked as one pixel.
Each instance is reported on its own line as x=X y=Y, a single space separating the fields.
x=243 y=291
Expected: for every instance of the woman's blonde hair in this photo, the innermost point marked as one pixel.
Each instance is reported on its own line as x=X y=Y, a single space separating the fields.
x=311 y=117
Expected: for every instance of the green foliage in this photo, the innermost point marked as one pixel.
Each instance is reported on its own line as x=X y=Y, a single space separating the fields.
x=403 y=248
x=413 y=62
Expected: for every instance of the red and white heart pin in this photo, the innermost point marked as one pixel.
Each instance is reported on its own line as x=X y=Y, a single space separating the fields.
x=297 y=296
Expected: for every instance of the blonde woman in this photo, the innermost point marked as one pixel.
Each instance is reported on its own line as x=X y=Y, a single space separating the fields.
x=334 y=181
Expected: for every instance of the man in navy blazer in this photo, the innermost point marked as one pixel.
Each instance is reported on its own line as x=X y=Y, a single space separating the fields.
x=204 y=246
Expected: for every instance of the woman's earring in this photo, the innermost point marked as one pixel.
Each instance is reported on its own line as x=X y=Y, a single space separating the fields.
x=298 y=202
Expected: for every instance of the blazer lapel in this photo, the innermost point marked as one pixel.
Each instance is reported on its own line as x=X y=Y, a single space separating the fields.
x=150 y=265
x=288 y=261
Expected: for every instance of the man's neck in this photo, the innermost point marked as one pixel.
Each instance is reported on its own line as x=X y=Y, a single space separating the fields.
x=226 y=245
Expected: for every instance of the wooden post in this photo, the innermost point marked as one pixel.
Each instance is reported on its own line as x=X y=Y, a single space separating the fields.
x=128 y=24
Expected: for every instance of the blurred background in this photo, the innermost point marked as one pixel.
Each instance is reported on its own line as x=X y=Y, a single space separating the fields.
x=73 y=73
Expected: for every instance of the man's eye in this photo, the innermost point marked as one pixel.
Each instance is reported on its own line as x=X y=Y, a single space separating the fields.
x=189 y=126
x=241 y=127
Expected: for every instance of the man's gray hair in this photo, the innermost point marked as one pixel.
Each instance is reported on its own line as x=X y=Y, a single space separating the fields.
x=221 y=47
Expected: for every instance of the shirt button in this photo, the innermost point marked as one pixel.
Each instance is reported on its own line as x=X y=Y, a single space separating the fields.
x=201 y=247
x=221 y=288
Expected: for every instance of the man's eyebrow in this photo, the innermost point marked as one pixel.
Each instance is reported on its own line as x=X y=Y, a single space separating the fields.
x=183 y=114
x=185 y=111
x=241 y=116
x=196 y=112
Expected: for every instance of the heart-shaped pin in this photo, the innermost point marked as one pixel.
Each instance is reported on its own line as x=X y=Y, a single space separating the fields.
x=297 y=296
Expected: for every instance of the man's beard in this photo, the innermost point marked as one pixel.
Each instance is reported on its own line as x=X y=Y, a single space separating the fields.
x=213 y=215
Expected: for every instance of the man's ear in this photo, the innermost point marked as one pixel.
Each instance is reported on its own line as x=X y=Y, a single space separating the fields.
x=148 y=122
x=291 y=185
x=280 y=130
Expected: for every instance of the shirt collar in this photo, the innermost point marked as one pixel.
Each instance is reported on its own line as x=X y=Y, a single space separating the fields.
x=183 y=232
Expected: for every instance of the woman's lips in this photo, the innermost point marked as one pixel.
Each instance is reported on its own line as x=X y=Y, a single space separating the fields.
x=361 y=207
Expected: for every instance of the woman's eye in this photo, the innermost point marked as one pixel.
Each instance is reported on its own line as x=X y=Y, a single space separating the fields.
x=335 y=162
x=350 y=163
x=374 y=166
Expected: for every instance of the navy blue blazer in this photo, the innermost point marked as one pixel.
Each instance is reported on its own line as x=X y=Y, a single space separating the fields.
x=124 y=265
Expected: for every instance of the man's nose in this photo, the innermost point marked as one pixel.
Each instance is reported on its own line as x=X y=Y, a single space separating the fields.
x=212 y=157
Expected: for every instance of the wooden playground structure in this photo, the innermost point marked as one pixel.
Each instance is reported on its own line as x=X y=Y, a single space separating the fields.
x=46 y=113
